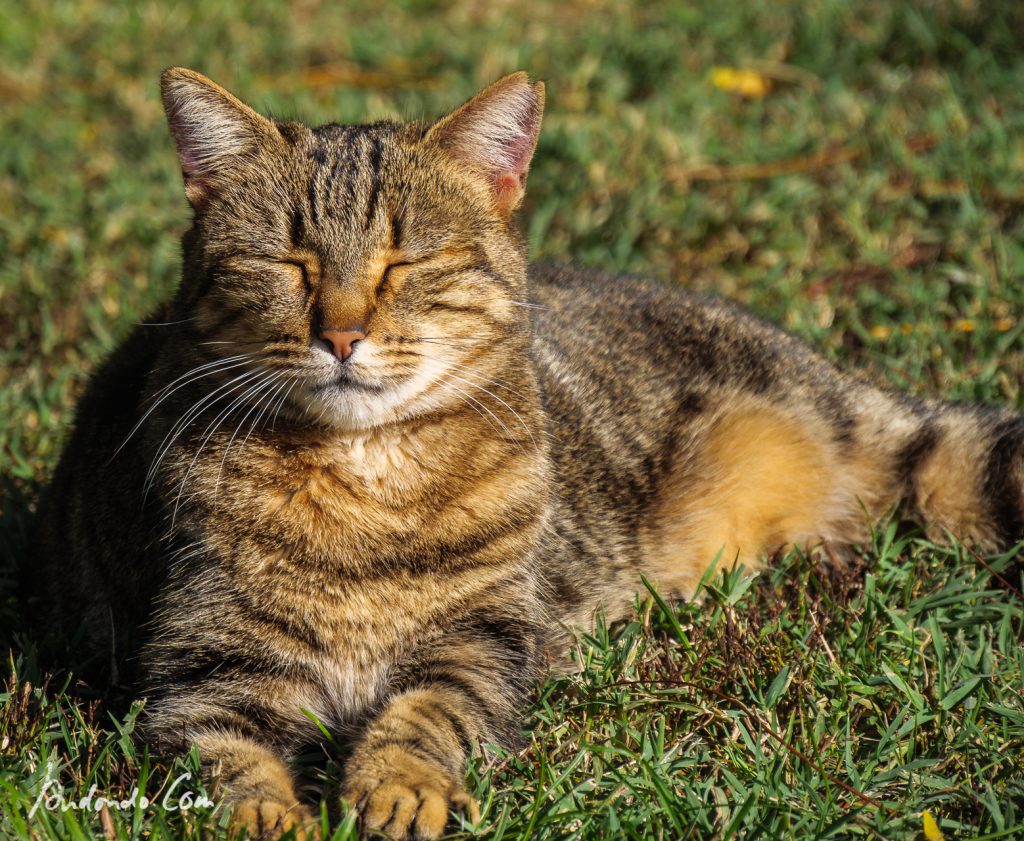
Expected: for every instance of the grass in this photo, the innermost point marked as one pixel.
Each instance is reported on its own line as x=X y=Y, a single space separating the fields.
x=872 y=202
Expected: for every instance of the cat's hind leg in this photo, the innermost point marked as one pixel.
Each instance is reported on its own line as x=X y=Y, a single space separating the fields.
x=752 y=477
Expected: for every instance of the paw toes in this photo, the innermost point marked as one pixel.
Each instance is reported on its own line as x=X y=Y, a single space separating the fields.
x=271 y=819
x=432 y=814
x=405 y=796
x=462 y=800
x=390 y=808
x=403 y=814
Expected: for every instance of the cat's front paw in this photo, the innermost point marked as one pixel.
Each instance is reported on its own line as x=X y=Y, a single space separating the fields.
x=405 y=796
x=266 y=819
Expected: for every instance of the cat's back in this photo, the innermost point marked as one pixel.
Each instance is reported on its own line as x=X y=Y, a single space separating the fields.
x=639 y=328
x=617 y=355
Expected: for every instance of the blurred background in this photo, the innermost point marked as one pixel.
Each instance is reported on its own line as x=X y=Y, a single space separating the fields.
x=854 y=171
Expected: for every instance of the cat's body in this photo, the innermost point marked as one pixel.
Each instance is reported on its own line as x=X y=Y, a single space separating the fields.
x=391 y=525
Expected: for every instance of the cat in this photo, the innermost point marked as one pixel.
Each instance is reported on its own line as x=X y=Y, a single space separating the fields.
x=369 y=464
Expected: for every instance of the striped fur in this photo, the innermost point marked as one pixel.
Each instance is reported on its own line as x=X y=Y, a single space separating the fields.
x=252 y=529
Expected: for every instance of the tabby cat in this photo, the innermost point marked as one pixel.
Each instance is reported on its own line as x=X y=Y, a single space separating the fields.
x=371 y=465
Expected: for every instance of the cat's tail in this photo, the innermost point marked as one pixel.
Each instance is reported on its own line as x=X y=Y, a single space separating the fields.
x=960 y=471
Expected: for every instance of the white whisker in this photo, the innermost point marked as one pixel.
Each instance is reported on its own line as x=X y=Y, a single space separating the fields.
x=473 y=403
x=211 y=429
x=275 y=378
x=502 y=402
x=215 y=367
x=482 y=405
x=162 y=323
x=281 y=402
x=191 y=414
x=468 y=369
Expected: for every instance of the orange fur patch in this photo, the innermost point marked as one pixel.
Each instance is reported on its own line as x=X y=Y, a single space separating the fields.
x=761 y=482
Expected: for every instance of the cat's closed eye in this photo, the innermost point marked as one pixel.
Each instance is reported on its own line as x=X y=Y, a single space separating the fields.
x=304 y=275
x=391 y=273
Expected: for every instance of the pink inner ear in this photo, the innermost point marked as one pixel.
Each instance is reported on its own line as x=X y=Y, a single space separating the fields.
x=195 y=187
x=510 y=155
x=185 y=142
x=508 y=188
x=509 y=182
x=521 y=149
x=189 y=164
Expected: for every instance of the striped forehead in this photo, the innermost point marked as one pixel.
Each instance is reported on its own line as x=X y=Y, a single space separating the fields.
x=348 y=173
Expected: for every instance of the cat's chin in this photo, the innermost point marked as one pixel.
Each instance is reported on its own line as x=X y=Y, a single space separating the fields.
x=349 y=408
x=351 y=404
x=347 y=385
x=344 y=408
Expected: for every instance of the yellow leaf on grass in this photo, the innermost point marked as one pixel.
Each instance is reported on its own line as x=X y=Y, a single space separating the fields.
x=931 y=829
x=880 y=332
x=748 y=83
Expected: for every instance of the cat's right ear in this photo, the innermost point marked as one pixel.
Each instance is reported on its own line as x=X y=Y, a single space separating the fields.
x=212 y=130
x=495 y=134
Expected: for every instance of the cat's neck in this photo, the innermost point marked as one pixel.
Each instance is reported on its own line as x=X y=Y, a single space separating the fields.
x=390 y=492
x=433 y=442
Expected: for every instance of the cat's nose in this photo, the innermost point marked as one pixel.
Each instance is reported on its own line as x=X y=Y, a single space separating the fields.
x=342 y=341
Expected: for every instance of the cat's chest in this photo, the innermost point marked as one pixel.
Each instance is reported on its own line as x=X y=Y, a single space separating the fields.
x=351 y=637
x=362 y=495
x=352 y=678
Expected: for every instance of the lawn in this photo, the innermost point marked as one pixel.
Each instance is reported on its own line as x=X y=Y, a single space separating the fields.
x=867 y=193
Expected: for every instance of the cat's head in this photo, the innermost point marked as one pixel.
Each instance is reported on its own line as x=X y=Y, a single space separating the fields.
x=359 y=275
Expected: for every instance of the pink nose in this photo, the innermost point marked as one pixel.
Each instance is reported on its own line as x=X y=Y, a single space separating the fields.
x=342 y=341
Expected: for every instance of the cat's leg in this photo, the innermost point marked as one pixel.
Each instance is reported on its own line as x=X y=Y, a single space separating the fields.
x=754 y=476
x=245 y=725
x=259 y=785
x=408 y=768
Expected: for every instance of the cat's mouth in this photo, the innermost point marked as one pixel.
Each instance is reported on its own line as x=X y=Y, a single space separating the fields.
x=344 y=381
x=362 y=396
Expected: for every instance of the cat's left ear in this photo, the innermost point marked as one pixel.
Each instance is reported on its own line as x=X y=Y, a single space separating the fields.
x=495 y=133
x=213 y=131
